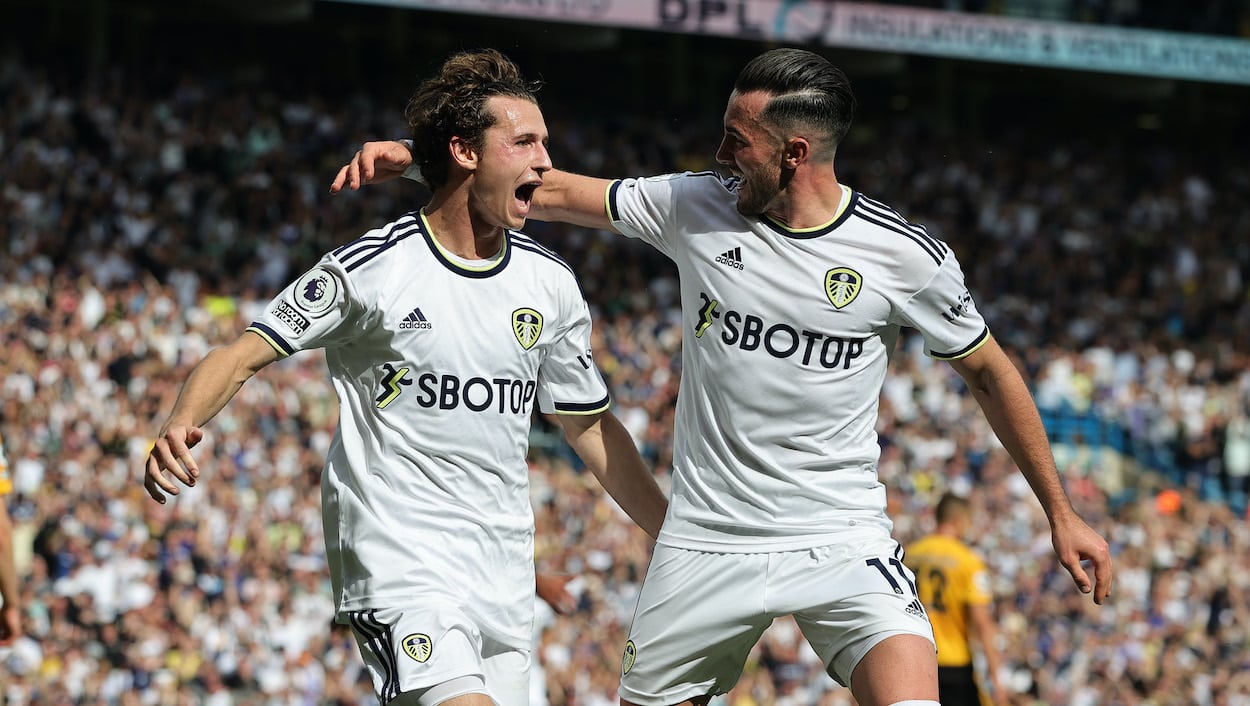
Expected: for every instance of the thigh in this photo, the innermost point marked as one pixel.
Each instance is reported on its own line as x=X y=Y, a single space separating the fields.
x=902 y=667
x=698 y=616
x=848 y=598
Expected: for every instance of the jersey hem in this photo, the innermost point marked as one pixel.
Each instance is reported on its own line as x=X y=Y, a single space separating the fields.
x=641 y=699
x=354 y=605
x=581 y=409
x=739 y=544
x=271 y=337
x=967 y=350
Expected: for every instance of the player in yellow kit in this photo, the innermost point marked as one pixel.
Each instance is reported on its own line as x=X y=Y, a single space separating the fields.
x=10 y=609
x=954 y=586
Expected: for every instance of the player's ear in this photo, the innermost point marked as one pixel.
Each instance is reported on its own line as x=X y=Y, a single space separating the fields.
x=462 y=153
x=795 y=152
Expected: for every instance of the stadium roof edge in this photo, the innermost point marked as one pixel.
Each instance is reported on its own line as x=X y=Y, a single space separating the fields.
x=894 y=29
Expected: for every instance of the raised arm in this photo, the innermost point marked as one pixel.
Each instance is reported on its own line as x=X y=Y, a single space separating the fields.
x=563 y=196
x=1011 y=411
x=607 y=449
x=208 y=388
x=573 y=198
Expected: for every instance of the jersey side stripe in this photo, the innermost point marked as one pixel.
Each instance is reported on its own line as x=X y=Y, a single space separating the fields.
x=729 y=183
x=366 y=243
x=519 y=237
x=378 y=239
x=377 y=637
x=530 y=246
x=362 y=240
x=880 y=209
x=888 y=226
x=272 y=338
x=364 y=256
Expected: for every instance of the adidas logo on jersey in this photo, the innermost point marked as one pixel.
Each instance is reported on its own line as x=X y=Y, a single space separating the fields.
x=914 y=608
x=414 y=320
x=732 y=257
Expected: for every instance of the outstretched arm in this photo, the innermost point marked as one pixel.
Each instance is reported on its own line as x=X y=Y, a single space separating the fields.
x=1005 y=399
x=563 y=196
x=212 y=384
x=608 y=450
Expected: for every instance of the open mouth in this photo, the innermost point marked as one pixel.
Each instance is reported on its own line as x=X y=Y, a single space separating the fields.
x=525 y=193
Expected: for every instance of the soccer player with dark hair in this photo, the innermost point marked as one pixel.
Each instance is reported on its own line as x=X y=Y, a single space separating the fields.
x=443 y=332
x=954 y=585
x=794 y=290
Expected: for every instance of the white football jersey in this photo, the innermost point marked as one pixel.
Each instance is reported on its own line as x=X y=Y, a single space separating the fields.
x=438 y=365
x=785 y=348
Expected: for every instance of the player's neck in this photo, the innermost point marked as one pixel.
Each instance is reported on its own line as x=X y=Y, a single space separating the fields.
x=456 y=231
x=808 y=202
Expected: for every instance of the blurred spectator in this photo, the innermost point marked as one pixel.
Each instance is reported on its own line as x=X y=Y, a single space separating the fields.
x=144 y=222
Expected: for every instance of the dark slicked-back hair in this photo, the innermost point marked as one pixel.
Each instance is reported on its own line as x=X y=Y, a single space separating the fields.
x=807 y=91
x=453 y=104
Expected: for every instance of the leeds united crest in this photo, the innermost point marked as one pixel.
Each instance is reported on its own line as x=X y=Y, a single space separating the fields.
x=842 y=285
x=527 y=324
x=418 y=646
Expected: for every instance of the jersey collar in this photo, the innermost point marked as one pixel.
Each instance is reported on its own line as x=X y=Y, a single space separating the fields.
x=845 y=206
x=478 y=270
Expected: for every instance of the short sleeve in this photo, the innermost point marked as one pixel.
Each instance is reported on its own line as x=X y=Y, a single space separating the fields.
x=642 y=208
x=318 y=310
x=569 y=380
x=945 y=314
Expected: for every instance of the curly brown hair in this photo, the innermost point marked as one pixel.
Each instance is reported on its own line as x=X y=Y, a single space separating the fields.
x=453 y=104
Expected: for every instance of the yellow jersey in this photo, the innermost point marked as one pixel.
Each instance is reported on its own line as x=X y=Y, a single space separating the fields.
x=6 y=482
x=950 y=577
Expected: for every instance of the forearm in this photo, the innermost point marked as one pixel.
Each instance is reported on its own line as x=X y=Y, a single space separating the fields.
x=1013 y=415
x=572 y=198
x=983 y=624
x=609 y=452
x=215 y=380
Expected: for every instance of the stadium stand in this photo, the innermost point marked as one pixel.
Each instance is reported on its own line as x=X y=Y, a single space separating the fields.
x=148 y=207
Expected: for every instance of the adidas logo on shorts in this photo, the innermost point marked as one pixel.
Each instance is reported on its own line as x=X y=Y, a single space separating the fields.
x=914 y=608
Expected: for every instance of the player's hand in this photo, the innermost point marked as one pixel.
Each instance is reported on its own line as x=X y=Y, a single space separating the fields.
x=10 y=625
x=998 y=692
x=553 y=589
x=171 y=454
x=1076 y=542
x=374 y=163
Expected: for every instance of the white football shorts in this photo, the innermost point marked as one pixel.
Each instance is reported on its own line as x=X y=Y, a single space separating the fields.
x=415 y=650
x=700 y=613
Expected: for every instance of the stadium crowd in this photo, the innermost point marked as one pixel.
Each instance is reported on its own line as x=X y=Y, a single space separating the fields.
x=144 y=224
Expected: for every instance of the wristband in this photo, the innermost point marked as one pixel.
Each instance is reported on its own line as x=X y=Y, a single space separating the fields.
x=413 y=171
